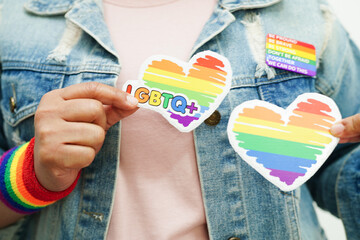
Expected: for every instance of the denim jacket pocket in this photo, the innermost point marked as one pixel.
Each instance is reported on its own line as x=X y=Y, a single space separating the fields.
x=281 y=90
x=21 y=93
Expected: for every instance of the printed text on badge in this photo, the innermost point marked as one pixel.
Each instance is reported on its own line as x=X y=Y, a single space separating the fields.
x=290 y=54
x=185 y=93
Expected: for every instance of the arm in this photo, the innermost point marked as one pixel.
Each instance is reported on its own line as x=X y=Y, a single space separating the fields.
x=70 y=127
x=9 y=216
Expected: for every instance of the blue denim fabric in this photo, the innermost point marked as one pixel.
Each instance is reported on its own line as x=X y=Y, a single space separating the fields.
x=238 y=201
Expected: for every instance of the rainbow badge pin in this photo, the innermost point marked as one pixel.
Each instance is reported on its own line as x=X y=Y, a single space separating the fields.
x=291 y=55
x=286 y=146
x=185 y=93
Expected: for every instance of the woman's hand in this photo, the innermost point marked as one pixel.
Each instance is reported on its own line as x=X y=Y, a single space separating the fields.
x=70 y=128
x=348 y=129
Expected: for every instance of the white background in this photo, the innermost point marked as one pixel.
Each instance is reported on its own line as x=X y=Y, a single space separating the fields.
x=348 y=11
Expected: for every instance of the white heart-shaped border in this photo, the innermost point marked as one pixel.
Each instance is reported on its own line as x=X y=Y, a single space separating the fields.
x=285 y=115
x=186 y=67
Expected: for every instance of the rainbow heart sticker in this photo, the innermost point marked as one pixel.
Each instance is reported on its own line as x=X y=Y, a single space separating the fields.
x=184 y=93
x=286 y=146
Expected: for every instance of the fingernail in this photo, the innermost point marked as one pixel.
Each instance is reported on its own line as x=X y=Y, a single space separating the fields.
x=337 y=129
x=132 y=100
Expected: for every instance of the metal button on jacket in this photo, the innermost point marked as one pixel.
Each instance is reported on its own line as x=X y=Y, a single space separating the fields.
x=12 y=100
x=12 y=104
x=234 y=238
x=214 y=119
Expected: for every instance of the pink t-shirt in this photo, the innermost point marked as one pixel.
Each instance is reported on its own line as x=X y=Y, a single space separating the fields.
x=158 y=194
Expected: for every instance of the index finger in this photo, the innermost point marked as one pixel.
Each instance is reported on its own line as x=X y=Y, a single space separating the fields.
x=107 y=95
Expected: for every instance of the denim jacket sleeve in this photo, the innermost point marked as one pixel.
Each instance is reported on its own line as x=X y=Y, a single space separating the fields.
x=336 y=186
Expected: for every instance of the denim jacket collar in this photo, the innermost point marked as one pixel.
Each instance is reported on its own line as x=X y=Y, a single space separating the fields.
x=86 y=14
x=49 y=7
x=223 y=17
x=78 y=12
x=234 y=5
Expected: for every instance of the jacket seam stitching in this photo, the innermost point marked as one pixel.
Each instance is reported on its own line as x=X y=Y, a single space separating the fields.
x=296 y=215
x=79 y=213
x=342 y=69
x=241 y=185
x=333 y=88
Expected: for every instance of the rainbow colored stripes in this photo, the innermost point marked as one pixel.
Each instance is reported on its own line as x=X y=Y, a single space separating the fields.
x=287 y=150
x=13 y=191
x=19 y=188
x=290 y=54
x=204 y=82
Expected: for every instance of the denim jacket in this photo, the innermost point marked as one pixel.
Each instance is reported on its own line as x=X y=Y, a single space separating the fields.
x=37 y=56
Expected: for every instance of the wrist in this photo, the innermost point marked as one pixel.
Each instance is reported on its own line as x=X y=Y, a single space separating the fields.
x=19 y=188
x=55 y=181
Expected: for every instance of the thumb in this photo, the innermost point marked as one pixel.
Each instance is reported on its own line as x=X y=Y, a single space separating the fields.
x=348 y=128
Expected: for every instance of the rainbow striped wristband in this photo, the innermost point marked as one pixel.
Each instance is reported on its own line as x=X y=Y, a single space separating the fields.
x=19 y=188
